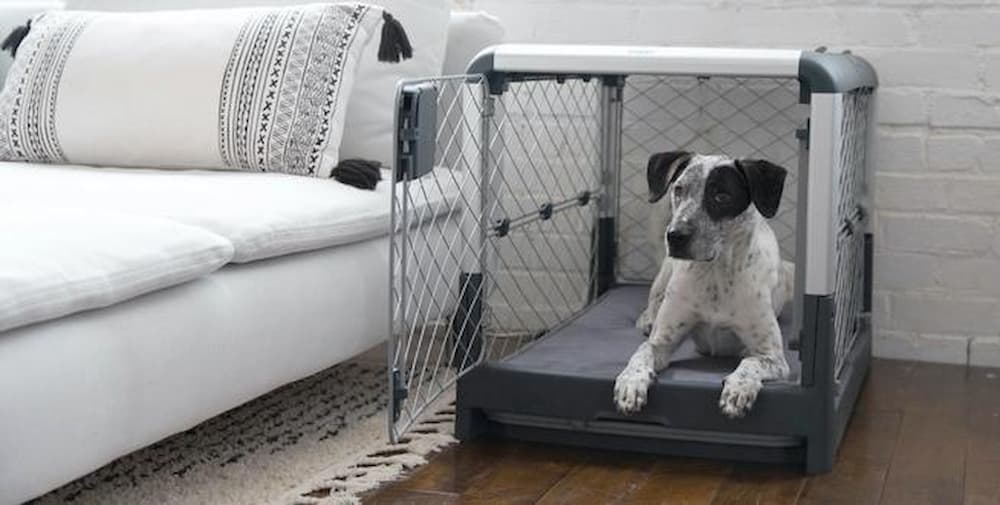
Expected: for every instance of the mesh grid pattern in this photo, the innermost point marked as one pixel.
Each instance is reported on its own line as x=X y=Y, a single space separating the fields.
x=545 y=150
x=851 y=217
x=429 y=246
x=740 y=117
x=542 y=148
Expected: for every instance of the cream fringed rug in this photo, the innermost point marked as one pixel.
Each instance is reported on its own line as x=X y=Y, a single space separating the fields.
x=318 y=441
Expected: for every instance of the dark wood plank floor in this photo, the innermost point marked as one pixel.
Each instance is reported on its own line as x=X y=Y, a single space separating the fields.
x=922 y=434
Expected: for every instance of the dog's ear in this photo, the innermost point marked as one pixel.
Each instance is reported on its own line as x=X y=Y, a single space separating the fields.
x=662 y=170
x=766 y=181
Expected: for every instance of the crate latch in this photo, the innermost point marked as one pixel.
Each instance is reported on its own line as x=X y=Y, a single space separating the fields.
x=416 y=135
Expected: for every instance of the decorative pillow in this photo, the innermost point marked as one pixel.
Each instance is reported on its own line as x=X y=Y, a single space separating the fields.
x=371 y=112
x=258 y=89
x=13 y=14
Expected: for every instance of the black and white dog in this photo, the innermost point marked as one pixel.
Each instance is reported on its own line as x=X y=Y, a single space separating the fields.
x=722 y=282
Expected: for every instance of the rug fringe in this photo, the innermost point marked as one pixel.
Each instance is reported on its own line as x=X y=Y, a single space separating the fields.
x=380 y=466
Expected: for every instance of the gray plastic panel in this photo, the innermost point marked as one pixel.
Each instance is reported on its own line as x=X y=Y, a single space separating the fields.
x=558 y=390
x=417 y=128
x=570 y=373
x=835 y=72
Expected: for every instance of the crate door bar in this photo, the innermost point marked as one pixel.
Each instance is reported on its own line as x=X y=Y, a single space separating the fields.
x=606 y=233
x=802 y=187
x=402 y=152
x=467 y=323
x=414 y=139
x=816 y=257
x=825 y=117
x=869 y=203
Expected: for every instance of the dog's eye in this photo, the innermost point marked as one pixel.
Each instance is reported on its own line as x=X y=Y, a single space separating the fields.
x=722 y=198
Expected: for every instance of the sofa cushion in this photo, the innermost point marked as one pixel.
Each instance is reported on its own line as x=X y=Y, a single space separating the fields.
x=254 y=89
x=58 y=261
x=262 y=215
x=371 y=112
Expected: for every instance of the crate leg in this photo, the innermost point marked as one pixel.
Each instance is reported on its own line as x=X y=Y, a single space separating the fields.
x=820 y=453
x=470 y=423
x=606 y=254
x=466 y=325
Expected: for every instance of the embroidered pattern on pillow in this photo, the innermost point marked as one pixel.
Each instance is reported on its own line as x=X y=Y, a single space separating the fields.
x=28 y=116
x=280 y=87
x=281 y=94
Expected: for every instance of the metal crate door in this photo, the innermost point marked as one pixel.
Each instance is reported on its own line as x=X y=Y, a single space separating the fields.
x=493 y=223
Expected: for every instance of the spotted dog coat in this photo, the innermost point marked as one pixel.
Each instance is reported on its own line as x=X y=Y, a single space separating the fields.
x=723 y=282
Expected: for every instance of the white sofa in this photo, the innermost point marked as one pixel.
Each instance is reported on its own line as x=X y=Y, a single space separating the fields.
x=280 y=278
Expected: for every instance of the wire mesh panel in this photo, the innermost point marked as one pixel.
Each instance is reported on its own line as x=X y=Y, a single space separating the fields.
x=493 y=246
x=739 y=117
x=544 y=159
x=851 y=217
x=434 y=237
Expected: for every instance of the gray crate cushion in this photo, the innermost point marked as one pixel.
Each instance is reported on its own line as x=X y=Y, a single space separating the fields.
x=599 y=342
x=255 y=89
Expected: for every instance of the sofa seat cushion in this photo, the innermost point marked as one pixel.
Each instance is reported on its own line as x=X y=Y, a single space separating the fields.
x=58 y=261
x=262 y=215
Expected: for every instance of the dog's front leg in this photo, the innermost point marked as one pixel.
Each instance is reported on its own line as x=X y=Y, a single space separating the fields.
x=632 y=384
x=765 y=361
x=656 y=294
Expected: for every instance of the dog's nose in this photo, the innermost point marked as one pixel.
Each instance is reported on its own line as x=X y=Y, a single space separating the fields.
x=678 y=239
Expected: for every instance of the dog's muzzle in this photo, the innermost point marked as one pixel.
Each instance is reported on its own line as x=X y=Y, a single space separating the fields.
x=679 y=243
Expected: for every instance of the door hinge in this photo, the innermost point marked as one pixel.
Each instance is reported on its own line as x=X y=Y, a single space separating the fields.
x=399 y=393
x=489 y=106
x=802 y=134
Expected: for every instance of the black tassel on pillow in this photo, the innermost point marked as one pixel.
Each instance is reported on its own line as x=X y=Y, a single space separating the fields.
x=14 y=38
x=359 y=173
x=394 y=45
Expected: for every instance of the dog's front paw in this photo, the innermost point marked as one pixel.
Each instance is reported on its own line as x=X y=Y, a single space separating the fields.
x=630 y=390
x=738 y=395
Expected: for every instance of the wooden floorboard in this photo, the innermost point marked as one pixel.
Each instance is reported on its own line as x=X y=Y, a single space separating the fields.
x=524 y=475
x=457 y=468
x=681 y=481
x=761 y=484
x=863 y=463
x=928 y=463
x=402 y=496
x=610 y=478
x=982 y=457
x=922 y=434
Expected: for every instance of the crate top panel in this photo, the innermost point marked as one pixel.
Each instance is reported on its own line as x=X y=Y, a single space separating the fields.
x=821 y=71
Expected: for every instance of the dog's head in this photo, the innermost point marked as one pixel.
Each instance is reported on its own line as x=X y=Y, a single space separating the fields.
x=709 y=197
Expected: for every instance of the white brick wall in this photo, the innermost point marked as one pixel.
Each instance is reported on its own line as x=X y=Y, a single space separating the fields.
x=938 y=164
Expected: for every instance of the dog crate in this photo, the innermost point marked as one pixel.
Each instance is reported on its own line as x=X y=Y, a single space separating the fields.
x=522 y=255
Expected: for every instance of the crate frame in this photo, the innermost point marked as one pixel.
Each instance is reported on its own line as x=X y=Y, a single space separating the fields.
x=815 y=412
